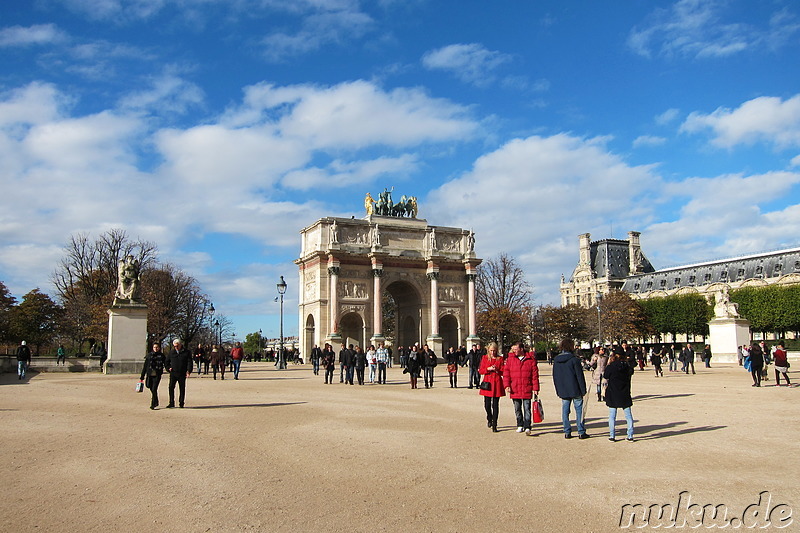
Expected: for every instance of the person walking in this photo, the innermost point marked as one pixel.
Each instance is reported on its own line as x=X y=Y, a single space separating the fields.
x=383 y=358
x=756 y=363
x=781 y=362
x=413 y=366
x=61 y=355
x=707 y=355
x=237 y=354
x=687 y=358
x=349 y=361
x=429 y=362
x=328 y=362
x=316 y=358
x=179 y=365
x=152 y=370
x=570 y=387
x=217 y=362
x=491 y=368
x=199 y=355
x=474 y=358
x=598 y=364
x=360 y=362
x=23 y=359
x=618 y=394
x=655 y=360
x=452 y=359
x=372 y=359
x=672 y=357
x=521 y=381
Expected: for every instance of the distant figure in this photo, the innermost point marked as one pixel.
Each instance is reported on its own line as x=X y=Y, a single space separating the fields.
x=707 y=355
x=429 y=363
x=779 y=358
x=218 y=361
x=598 y=365
x=23 y=359
x=237 y=354
x=756 y=363
x=152 y=370
x=474 y=357
x=382 y=357
x=328 y=362
x=179 y=365
x=61 y=355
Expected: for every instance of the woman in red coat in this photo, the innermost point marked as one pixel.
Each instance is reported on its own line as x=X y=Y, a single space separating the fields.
x=521 y=379
x=491 y=368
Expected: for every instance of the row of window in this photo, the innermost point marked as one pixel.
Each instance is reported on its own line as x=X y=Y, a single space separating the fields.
x=759 y=273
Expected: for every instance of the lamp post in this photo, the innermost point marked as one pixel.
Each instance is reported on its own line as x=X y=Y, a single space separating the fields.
x=598 y=298
x=218 y=334
x=281 y=291
x=211 y=312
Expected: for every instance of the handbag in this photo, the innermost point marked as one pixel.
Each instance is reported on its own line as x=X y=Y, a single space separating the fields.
x=452 y=368
x=538 y=411
x=485 y=385
x=140 y=386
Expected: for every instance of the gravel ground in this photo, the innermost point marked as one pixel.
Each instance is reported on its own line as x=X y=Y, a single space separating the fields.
x=281 y=451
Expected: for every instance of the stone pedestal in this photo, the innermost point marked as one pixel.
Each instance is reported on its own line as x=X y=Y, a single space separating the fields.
x=127 y=338
x=725 y=335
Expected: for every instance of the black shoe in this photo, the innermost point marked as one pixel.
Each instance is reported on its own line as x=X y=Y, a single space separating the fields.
x=488 y=424
x=494 y=429
x=181 y=406
x=153 y=407
x=629 y=439
x=583 y=436
x=567 y=436
x=612 y=439
x=170 y=406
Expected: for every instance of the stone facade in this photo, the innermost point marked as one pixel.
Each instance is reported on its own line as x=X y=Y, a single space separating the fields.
x=603 y=266
x=346 y=265
x=618 y=264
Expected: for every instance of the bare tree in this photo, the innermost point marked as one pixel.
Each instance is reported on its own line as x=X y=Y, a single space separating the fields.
x=504 y=297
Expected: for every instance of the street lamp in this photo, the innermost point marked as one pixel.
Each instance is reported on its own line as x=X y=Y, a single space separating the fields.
x=218 y=331
x=211 y=312
x=598 y=298
x=281 y=291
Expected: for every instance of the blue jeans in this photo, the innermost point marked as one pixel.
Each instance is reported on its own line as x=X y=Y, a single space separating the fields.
x=373 y=370
x=474 y=377
x=565 y=407
x=22 y=366
x=522 y=410
x=236 y=364
x=612 y=419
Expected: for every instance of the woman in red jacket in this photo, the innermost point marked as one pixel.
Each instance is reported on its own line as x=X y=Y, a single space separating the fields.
x=521 y=379
x=491 y=368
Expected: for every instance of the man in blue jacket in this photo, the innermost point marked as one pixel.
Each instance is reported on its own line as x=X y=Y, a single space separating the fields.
x=570 y=387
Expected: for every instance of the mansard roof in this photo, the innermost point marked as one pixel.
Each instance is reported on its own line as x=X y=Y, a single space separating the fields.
x=737 y=269
x=611 y=258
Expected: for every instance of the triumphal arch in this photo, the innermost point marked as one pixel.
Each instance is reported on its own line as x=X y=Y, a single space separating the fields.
x=355 y=271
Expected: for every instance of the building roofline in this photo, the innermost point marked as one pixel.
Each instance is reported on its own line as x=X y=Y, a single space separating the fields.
x=723 y=260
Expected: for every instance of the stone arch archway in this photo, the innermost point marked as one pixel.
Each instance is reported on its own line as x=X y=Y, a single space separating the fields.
x=310 y=331
x=348 y=266
x=351 y=327
x=408 y=312
x=449 y=330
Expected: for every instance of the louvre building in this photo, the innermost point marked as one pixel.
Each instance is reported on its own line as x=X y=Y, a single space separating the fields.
x=611 y=264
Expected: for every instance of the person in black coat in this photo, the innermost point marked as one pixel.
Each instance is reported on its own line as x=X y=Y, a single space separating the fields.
x=348 y=359
x=474 y=358
x=360 y=359
x=179 y=365
x=429 y=362
x=756 y=363
x=413 y=366
x=618 y=372
x=152 y=370
x=328 y=362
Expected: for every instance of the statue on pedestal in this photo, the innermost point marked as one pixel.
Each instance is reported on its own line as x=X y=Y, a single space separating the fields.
x=128 y=286
x=724 y=307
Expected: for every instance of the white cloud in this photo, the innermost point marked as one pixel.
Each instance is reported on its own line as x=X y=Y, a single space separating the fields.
x=38 y=34
x=347 y=173
x=795 y=162
x=667 y=117
x=471 y=63
x=168 y=94
x=766 y=119
x=648 y=140
x=697 y=28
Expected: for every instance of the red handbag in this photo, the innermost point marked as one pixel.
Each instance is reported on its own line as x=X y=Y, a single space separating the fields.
x=538 y=411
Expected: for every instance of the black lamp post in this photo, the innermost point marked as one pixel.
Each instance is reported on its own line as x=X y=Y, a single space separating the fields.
x=281 y=291
x=218 y=331
x=211 y=312
x=598 y=298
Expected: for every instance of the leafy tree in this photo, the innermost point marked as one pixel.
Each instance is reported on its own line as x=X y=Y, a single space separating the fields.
x=502 y=296
x=7 y=303
x=679 y=313
x=35 y=319
x=253 y=342
x=622 y=318
x=570 y=321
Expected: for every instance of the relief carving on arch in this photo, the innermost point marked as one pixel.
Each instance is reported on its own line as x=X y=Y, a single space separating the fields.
x=451 y=293
x=351 y=308
x=352 y=289
x=455 y=311
x=354 y=235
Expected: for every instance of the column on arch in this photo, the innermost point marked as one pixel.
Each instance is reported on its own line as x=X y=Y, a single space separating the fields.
x=433 y=277
x=333 y=273
x=377 y=308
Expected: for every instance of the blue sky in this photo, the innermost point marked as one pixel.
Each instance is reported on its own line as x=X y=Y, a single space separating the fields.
x=219 y=128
